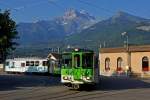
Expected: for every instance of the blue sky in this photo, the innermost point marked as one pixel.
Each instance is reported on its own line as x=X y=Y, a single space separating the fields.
x=33 y=10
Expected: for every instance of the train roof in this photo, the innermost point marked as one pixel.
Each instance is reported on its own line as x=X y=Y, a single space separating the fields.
x=70 y=50
x=26 y=59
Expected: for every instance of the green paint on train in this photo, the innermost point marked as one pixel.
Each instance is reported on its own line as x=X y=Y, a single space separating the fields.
x=78 y=68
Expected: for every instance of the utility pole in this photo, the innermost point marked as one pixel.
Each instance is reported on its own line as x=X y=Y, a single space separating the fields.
x=58 y=50
x=104 y=44
x=128 y=52
x=127 y=40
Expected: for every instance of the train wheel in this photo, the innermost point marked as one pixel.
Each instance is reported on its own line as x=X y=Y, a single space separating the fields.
x=76 y=86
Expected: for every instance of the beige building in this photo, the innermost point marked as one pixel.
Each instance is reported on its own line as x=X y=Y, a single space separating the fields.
x=134 y=60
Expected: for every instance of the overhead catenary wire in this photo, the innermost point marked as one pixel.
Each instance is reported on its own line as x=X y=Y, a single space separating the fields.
x=61 y=7
x=19 y=8
x=108 y=11
x=5 y=4
x=28 y=5
x=55 y=4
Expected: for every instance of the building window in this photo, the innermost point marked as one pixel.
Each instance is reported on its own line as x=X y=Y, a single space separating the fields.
x=145 y=64
x=119 y=64
x=107 y=64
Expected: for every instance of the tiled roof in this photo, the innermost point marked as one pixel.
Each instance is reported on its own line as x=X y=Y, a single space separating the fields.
x=56 y=55
x=141 y=48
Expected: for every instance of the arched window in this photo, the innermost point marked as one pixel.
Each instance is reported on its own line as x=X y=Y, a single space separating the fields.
x=145 y=64
x=119 y=64
x=107 y=64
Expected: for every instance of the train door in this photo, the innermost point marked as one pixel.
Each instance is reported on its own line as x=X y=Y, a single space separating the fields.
x=77 y=59
x=66 y=69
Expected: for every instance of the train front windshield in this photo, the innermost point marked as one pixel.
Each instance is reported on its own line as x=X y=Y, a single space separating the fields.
x=87 y=60
x=67 y=60
x=84 y=60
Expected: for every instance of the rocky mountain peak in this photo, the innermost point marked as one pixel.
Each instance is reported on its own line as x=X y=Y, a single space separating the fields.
x=71 y=14
x=123 y=16
x=120 y=14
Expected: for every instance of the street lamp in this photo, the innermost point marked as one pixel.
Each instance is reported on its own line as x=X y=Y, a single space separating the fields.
x=128 y=53
x=127 y=40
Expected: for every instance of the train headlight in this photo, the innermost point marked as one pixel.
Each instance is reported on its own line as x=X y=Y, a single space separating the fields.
x=65 y=77
x=76 y=49
x=88 y=78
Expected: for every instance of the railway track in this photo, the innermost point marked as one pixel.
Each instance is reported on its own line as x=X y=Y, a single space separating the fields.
x=22 y=92
x=61 y=93
x=48 y=91
x=95 y=95
x=38 y=93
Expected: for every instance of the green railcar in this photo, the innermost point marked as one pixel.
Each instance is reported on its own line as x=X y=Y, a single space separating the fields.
x=78 y=68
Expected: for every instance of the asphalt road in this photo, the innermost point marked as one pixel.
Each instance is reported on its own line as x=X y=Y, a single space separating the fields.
x=28 y=87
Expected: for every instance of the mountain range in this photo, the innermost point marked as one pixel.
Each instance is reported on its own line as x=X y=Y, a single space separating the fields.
x=107 y=33
x=71 y=22
x=80 y=29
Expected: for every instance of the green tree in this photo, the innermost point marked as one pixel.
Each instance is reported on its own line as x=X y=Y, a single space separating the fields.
x=8 y=33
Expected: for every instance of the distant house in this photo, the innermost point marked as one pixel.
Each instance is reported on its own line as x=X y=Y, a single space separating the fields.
x=54 y=65
x=134 y=60
x=54 y=56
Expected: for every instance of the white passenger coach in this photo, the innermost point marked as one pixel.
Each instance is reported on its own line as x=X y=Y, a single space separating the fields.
x=26 y=65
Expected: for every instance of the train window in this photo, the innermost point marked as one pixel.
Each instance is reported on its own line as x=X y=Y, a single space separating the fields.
x=22 y=64
x=32 y=63
x=44 y=63
x=77 y=60
x=13 y=65
x=87 y=60
x=7 y=63
x=36 y=63
x=67 y=61
x=27 y=63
